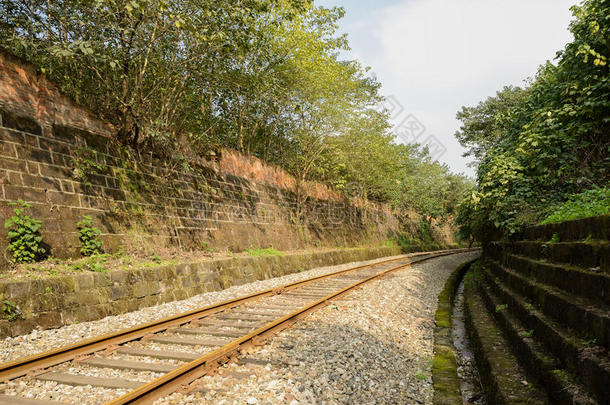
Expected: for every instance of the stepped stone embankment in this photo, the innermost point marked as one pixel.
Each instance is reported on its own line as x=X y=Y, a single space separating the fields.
x=538 y=312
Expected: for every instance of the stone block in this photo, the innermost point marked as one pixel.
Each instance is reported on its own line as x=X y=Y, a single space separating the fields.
x=154 y=288
x=36 y=181
x=139 y=289
x=44 y=302
x=69 y=300
x=53 y=171
x=101 y=279
x=36 y=154
x=32 y=140
x=27 y=194
x=151 y=274
x=119 y=276
x=8 y=150
x=120 y=292
x=53 y=145
x=183 y=269
x=61 y=285
x=17 y=290
x=48 y=320
x=61 y=198
x=12 y=164
x=118 y=307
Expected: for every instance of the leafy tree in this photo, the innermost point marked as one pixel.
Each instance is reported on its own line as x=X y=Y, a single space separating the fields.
x=539 y=145
x=145 y=65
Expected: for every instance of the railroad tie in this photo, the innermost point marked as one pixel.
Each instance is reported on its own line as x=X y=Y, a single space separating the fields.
x=210 y=331
x=159 y=354
x=13 y=400
x=128 y=365
x=73 y=379
x=208 y=342
x=245 y=316
x=228 y=324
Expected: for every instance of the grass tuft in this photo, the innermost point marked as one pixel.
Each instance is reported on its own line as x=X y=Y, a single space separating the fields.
x=264 y=252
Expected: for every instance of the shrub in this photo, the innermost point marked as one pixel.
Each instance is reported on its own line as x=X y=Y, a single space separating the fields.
x=589 y=203
x=89 y=237
x=24 y=235
x=10 y=310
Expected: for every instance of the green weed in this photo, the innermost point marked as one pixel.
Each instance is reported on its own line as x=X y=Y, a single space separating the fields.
x=264 y=252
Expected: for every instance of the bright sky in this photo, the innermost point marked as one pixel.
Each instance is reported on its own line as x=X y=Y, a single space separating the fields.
x=434 y=56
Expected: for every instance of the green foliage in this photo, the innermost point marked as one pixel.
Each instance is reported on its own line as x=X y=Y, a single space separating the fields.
x=156 y=258
x=86 y=165
x=589 y=203
x=421 y=376
x=539 y=146
x=422 y=238
x=264 y=252
x=527 y=333
x=589 y=342
x=97 y=263
x=24 y=235
x=206 y=246
x=88 y=235
x=10 y=309
x=185 y=79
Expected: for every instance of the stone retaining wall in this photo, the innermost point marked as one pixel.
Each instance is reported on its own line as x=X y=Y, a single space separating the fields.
x=53 y=302
x=62 y=160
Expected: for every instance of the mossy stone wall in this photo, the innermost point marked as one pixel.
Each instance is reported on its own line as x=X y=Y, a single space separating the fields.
x=57 y=301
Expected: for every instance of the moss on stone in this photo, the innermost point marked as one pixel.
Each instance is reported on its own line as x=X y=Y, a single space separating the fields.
x=444 y=367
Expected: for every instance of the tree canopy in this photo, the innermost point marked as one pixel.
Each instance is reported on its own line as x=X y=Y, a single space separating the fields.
x=537 y=146
x=260 y=76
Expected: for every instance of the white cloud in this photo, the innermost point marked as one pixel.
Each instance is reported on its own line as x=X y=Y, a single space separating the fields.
x=437 y=55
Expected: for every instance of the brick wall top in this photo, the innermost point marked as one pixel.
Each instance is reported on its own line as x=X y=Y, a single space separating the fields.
x=25 y=91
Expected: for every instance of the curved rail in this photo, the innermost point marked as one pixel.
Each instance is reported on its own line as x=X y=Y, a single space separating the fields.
x=184 y=375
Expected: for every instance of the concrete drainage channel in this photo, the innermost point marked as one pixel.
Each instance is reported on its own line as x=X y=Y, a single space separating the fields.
x=455 y=375
x=215 y=335
x=470 y=381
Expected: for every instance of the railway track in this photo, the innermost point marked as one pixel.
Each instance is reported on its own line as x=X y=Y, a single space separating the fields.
x=170 y=354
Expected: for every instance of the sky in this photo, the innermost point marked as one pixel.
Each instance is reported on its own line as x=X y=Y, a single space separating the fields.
x=435 y=56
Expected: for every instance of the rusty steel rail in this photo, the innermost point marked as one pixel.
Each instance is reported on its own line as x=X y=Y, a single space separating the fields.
x=38 y=362
x=181 y=377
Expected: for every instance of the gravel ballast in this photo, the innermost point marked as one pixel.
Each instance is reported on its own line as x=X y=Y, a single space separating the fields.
x=375 y=346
